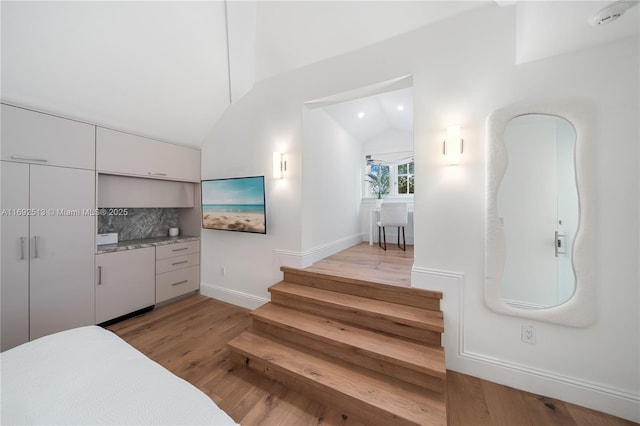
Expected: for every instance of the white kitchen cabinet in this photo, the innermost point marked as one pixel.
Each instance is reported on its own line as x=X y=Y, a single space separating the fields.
x=48 y=234
x=125 y=282
x=177 y=270
x=126 y=154
x=34 y=137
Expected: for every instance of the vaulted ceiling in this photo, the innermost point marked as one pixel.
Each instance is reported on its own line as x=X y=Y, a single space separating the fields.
x=157 y=69
x=169 y=69
x=367 y=117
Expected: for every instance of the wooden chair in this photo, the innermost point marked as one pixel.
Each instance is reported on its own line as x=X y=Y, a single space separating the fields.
x=393 y=214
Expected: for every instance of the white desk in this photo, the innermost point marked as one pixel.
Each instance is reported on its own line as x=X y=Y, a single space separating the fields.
x=374 y=213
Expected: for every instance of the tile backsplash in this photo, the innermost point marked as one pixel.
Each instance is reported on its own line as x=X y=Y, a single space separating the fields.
x=139 y=223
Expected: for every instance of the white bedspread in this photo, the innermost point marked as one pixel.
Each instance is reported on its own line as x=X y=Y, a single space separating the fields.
x=89 y=375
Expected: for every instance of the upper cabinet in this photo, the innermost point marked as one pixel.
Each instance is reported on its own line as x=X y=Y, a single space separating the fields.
x=37 y=138
x=126 y=154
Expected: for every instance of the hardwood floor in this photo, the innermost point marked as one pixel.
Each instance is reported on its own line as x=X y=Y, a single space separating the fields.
x=370 y=263
x=189 y=338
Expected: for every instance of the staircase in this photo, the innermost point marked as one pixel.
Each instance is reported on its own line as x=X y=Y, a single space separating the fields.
x=366 y=349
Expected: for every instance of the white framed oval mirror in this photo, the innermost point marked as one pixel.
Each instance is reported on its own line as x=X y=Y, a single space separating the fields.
x=540 y=214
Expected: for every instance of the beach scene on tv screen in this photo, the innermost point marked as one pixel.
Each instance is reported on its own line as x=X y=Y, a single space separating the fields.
x=234 y=204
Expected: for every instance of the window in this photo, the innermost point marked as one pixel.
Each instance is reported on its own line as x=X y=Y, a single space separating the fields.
x=405 y=180
x=379 y=180
x=401 y=178
x=378 y=169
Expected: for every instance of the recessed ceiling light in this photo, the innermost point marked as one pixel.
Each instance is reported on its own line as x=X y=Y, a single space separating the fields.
x=400 y=107
x=360 y=114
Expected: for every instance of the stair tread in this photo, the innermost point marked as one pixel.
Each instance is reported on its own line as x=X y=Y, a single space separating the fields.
x=418 y=407
x=418 y=357
x=368 y=283
x=419 y=318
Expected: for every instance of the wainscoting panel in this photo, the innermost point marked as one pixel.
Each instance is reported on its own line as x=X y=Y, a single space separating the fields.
x=581 y=392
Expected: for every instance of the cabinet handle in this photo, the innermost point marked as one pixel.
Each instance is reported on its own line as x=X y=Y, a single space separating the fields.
x=555 y=239
x=179 y=263
x=18 y=157
x=157 y=174
x=180 y=282
x=99 y=275
x=21 y=248
x=35 y=246
x=180 y=249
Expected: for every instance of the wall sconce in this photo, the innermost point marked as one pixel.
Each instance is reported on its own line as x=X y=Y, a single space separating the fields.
x=279 y=165
x=453 y=145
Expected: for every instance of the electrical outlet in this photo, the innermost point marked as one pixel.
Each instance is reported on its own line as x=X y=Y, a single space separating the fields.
x=529 y=334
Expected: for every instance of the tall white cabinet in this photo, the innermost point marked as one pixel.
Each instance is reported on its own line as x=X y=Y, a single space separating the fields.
x=14 y=279
x=48 y=192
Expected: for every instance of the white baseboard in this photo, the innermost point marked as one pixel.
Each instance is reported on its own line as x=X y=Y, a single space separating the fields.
x=283 y=258
x=596 y=396
x=245 y=300
x=306 y=258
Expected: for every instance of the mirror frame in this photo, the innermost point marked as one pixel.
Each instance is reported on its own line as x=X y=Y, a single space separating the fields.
x=579 y=310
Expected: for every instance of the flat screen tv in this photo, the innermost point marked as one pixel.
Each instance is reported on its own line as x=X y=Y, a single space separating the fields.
x=234 y=204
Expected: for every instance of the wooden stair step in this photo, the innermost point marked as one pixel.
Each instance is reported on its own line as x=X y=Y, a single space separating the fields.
x=427 y=359
x=365 y=394
x=424 y=299
x=408 y=315
x=415 y=363
x=407 y=321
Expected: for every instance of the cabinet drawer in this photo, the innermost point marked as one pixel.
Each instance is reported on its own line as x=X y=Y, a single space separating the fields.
x=178 y=249
x=175 y=283
x=178 y=262
x=33 y=137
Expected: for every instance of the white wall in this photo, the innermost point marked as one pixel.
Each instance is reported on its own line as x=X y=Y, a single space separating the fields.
x=242 y=144
x=351 y=25
x=459 y=76
x=241 y=39
x=331 y=185
x=596 y=366
x=392 y=140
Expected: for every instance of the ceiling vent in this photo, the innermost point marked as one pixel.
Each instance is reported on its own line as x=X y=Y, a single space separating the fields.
x=611 y=12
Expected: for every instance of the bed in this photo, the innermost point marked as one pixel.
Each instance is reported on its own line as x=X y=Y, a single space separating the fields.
x=89 y=375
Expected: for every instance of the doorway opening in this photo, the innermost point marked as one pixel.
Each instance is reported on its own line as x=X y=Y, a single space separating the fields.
x=346 y=137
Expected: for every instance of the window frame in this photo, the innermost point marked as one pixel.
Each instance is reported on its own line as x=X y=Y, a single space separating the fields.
x=411 y=178
x=393 y=178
